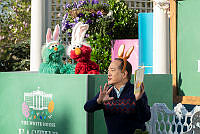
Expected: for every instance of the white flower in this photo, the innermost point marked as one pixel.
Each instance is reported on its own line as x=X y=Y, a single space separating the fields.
x=110 y=13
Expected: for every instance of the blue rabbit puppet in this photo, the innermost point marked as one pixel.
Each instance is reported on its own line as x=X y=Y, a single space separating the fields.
x=52 y=54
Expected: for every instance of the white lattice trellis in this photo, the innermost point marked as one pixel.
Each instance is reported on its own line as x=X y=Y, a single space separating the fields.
x=141 y=5
x=177 y=121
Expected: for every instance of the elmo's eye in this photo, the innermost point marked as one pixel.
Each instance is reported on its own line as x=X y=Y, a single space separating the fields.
x=73 y=48
x=79 y=46
x=56 y=45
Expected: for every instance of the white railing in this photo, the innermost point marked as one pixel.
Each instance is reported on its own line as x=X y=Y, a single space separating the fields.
x=176 y=121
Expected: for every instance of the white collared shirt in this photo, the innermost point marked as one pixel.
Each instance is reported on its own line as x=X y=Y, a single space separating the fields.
x=119 y=91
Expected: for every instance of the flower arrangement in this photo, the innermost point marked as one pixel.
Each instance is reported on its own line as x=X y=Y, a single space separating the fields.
x=88 y=12
x=107 y=21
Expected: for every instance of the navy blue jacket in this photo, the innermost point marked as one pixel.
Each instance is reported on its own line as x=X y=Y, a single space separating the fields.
x=124 y=114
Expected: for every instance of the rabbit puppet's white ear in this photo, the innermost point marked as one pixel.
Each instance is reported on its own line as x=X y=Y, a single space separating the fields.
x=48 y=36
x=56 y=33
x=83 y=30
x=74 y=32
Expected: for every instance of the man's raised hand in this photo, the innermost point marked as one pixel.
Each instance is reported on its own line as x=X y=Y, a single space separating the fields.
x=104 y=95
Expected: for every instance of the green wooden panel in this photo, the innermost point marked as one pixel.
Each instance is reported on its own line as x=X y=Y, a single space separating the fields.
x=188 y=47
x=68 y=94
x=157 y=87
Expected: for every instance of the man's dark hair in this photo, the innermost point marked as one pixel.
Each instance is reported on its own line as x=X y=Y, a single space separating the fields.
x=128 y=67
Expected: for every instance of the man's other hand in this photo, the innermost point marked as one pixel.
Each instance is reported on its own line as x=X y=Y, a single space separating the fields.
x=139 y=94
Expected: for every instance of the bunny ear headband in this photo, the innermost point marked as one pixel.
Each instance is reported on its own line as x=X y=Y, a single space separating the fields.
x=78 y=33
x=55 y=35
x=127 y=54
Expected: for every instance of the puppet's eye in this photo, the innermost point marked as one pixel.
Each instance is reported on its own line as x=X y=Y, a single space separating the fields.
x=79 y=46
x=52 y=46
x=56 y=45
x=73 y=48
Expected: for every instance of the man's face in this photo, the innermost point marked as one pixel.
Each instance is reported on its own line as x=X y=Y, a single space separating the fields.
x=115 y=75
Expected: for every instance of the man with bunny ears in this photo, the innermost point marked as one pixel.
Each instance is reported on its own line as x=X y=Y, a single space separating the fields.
x=124 y=111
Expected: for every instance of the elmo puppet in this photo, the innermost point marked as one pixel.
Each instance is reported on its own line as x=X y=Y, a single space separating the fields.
x=80 y=51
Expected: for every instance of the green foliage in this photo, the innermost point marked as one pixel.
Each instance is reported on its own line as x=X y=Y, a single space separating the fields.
x=125 y=21
x=15 y=18
x=15 y=57
x=101 y=53
x=107 y=21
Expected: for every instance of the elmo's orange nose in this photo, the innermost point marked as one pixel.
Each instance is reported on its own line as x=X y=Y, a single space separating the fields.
x=77 y=51
x=55 y=48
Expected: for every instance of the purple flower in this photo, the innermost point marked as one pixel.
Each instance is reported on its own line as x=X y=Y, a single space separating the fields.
x=89 y=21
x=95 y=2
x=80 y=15
x=93 y=15
x=87 y=35
x=67 y=6
x=71 y=24
x=75 y=4
x=64 y=22
x=79 y=5
x=69 y=34
x=76 y=19
x=99 y=13
x=65 y=16
x=105 y=4
x=82 y=2
x=65 y=25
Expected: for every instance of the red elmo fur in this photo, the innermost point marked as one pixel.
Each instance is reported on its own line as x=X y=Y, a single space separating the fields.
x=84 y=65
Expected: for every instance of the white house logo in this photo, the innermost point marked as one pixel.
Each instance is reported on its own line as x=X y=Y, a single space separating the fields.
x=37 y=105
x=37 y=100
x=38 y=110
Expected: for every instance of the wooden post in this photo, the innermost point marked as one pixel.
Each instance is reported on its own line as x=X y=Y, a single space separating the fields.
x=173 y=43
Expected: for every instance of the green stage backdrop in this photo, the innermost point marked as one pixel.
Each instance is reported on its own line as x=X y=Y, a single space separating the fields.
x=188 y=47
x=34 y=103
